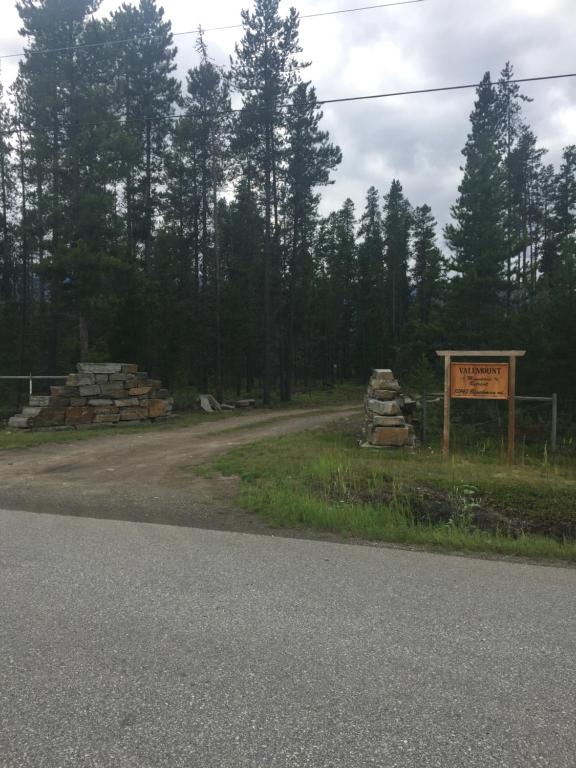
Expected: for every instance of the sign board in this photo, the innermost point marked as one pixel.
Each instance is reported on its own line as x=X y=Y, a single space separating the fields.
x=479 y=380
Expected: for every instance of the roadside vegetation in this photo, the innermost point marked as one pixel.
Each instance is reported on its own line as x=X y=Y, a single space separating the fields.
x=470 y=503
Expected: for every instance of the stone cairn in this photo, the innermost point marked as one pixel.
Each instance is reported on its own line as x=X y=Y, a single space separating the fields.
x=387 y=413
x=100 y=394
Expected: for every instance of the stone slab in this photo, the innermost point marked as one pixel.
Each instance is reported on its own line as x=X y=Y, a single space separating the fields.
x=139 y=391
x=50 y=417
x=129 y=368
x=383 y=374
x=39 y=401
x=107 y=418
x=77 y=402
x=375 y=383
x=86 y=380
x=60 y=402
x=30 y=412
x=128 y=402
x=383 y=408
x=99 y=367
x=114 y=390
x=156 y=409
x=98 y=402
x=397 y=437
x=79 y=415
x=19 y=422
x=133 y=414
x=91 y=391
x=63 y=391
x=383 y=394
x=389 y=421
x=104 y=409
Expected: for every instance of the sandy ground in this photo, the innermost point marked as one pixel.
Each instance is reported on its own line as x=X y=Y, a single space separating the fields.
x=147 y=476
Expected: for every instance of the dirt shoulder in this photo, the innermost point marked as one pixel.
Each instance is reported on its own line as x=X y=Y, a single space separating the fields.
x=147 y=477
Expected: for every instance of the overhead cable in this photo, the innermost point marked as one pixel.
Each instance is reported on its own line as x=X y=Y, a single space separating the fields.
x=129 y=40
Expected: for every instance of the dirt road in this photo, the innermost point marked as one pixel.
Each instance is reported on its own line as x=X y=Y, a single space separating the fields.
x=147 y=476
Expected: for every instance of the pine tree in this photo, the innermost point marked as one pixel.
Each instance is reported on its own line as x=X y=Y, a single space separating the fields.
x=311 y=157
x=146 y=96
x=372 y=305
x=336 y=256
x=428 y=272
x=265 y=72
x=477 y=237
x=397 y=225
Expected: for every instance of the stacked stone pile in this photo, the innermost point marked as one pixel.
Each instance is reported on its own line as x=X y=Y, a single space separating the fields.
x=100 y=394
x=387 y=413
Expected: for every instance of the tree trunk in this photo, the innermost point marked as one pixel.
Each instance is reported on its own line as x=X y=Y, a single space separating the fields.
x=83 y=338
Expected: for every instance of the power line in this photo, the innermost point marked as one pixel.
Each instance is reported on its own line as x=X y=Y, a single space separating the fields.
x=439 y=90
x=181 y=115
x=128 y=40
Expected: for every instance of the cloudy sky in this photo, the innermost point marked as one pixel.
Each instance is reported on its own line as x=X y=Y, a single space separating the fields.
x=417 y=139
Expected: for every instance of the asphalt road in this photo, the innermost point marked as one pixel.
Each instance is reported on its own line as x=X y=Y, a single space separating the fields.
x=133 y=645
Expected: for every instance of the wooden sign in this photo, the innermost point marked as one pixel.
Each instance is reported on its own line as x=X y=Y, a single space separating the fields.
x=479 y=380
x=482 y=379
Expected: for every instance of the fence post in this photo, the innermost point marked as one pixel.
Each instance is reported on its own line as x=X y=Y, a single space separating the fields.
x=554 y=433
x=424 y=425
x=30 y=385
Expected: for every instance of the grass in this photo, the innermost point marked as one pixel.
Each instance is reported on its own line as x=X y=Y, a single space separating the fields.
x=322 y=480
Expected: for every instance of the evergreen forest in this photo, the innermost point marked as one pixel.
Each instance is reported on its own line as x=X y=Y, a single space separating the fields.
x=176 y=222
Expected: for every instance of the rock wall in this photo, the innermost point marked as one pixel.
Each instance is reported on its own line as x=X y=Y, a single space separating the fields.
x=388 y=413
x=100 y=394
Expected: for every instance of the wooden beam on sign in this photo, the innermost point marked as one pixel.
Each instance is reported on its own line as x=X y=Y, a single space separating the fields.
x=481 y=353
x=511 y=410
x=447 y=402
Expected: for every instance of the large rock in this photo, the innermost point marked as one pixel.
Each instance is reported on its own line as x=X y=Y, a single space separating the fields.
x=39 y=401
x=156 y=409
x=383 y=374
x=99 y=367
x=383 y=407
x=383 y=394
x=396 y=437
x=114 y=390
x=385 y=384
x=91 y=391
x=140 y=391
x=19 y=422
x=133 y=414
x=50 y=417
x=79 y=415
x=107 y=418
x=60 y=402
x=389 y=421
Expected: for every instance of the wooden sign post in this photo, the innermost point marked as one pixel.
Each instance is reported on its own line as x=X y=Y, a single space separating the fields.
x=480 y=379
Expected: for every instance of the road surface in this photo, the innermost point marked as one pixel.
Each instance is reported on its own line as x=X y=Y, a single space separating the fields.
x=125 y=645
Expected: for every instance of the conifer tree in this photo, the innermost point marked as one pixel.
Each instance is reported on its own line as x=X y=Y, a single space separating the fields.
x=477 y=236
x=372 y=304
x=397 y=226
x=265 y=72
